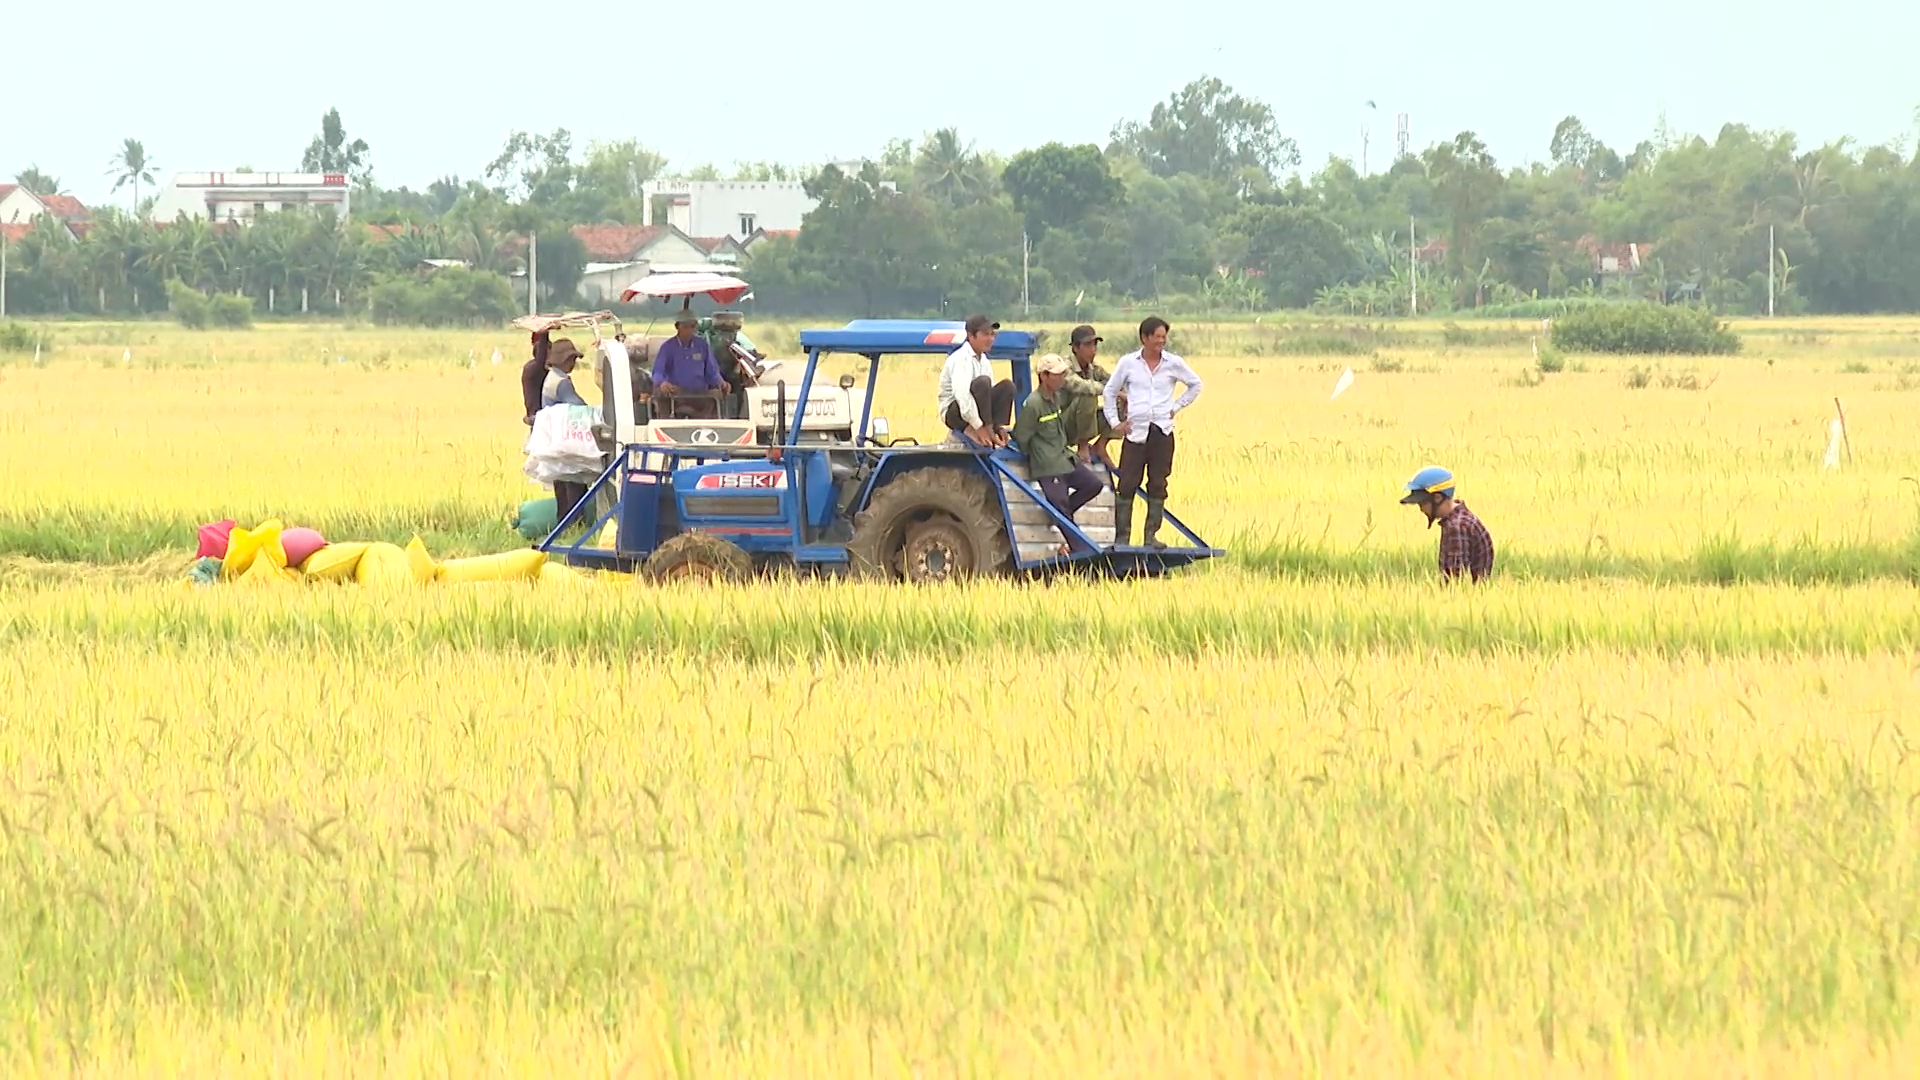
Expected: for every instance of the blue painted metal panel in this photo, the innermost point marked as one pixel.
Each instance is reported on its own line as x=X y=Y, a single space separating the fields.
x=925 y=336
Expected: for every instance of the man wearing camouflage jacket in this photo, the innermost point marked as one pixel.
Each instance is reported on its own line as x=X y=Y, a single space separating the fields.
x=1087 y=425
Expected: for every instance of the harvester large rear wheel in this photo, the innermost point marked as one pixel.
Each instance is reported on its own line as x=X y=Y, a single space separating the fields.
x=934 y=524
x=698 y=556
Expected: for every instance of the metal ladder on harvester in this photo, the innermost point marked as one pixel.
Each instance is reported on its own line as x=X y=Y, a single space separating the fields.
x=1034 y=534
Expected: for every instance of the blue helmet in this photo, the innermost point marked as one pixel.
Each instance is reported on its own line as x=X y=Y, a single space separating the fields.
x=1432 y=480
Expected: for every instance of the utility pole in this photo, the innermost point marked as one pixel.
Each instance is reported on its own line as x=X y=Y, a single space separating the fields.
x=1770 y=258
x=1413 y=273
x=3 y=276
x=1026 y=298
x=533 y=270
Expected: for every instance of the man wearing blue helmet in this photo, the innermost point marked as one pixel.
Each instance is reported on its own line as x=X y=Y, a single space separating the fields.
x=1465 y=546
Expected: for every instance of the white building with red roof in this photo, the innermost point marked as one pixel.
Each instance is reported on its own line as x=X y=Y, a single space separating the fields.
x=19 y=208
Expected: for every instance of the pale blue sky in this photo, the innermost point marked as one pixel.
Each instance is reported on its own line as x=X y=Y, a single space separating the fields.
x=436 y=88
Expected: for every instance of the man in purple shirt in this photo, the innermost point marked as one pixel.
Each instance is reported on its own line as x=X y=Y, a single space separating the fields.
x=684 y=364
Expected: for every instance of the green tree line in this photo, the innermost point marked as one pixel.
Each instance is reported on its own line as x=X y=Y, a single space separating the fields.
x=1200 y=206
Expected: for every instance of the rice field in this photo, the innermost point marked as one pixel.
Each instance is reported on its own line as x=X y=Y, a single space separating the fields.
x=1643 y=805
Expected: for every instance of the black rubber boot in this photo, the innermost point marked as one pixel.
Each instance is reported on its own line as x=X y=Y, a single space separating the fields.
x=1122 y=520
x=1156 y=514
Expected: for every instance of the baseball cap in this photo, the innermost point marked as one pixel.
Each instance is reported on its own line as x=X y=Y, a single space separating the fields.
x=1083 y=334
x=977 y=323
x=1051 y=364
x=685 y=318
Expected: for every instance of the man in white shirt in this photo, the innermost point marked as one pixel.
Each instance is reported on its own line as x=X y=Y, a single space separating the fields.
x=1146 y=377
x=969 y=398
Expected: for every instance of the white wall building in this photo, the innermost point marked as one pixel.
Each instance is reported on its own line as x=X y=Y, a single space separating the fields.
x=735 y=208
x=238 y=196
x=18 y=206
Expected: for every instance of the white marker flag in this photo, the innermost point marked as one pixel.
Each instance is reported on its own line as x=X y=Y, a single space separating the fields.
x=496 y=357
x=1834 y=434
x=1346 y=380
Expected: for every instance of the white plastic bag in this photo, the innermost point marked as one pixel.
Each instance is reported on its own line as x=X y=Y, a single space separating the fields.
x=562 y=446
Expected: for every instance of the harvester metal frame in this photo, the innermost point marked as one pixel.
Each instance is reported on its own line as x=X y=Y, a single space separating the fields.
x=822 y=494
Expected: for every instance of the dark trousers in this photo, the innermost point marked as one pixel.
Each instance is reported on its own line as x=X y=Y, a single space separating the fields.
x=1068 y=492
x=994 y=400
x=1153 y=458
x=566 y=494
x=692 y=405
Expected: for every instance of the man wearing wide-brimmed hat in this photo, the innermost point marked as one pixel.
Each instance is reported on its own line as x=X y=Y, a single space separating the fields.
x=562 y=357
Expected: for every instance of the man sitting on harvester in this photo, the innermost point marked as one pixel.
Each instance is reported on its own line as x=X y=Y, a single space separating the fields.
x=684 y=364
x=1043 y=433
x=739 y=361
x=970 y=402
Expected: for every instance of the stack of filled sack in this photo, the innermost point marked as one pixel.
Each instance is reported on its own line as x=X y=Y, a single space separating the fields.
x=272 y=554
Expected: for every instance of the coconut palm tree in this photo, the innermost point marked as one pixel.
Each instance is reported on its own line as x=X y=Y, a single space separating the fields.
x=951 y=171
x=131 y=166
x=38 y=182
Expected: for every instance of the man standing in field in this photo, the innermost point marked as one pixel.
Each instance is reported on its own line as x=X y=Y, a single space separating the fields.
x=1042 y=432
x=969 y=399
x=533 y=376
x=562 y=357
x=1087 y=427
x=1465 y=545
x=1146 y=377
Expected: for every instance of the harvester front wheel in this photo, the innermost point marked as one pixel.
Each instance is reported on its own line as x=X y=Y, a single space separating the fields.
x=933 y=524
x=699 y=557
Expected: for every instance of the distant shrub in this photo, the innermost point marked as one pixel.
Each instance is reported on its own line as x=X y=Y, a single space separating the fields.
x=1644 y=329
x=21 y=338
x=452 y=296
x=190 y=307
x=1550 y=361
x=228 y=309
x=1388 y=365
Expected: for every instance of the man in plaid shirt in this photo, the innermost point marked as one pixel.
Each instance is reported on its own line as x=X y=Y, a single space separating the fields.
x=1465 y=545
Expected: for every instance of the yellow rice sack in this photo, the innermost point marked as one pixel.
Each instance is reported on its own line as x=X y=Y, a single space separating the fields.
x=383 y=564
x=335 y=562
x=267 y=571
x=419 y=563
x=246 y=545
x=560 y=574
x=522 y=565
